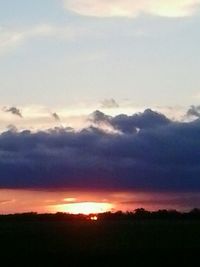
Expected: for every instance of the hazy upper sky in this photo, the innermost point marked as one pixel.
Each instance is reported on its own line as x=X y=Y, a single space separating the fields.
x=64 y=52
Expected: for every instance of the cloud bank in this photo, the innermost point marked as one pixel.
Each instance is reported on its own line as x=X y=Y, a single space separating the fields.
x=150 y=153
x=132 y=8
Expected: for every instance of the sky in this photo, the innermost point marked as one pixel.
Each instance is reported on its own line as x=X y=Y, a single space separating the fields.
x=99 y=104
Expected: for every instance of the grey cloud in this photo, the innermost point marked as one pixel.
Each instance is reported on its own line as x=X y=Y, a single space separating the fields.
x=14 y=111
x=131 y=124
x=163 y=156
x=109 y=103
x=194 y=111
x=56 y=117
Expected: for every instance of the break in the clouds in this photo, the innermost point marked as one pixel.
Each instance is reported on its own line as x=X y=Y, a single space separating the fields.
x=132 y=8
x=147 y=152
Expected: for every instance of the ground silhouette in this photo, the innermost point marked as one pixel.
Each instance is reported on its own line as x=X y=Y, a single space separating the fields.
x=113 y=238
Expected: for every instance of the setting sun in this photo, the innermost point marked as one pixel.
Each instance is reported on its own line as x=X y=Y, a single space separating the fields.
x=84 y=207
x=93 y=218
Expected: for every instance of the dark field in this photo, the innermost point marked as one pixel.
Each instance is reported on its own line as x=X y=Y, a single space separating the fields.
x=104 y=242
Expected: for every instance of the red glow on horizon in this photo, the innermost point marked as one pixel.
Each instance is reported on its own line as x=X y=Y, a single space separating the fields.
x=89 y=203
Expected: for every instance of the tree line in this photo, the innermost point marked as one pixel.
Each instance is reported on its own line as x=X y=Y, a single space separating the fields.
x=138 y=214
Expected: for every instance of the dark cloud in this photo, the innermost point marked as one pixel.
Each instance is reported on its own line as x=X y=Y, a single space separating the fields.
x=56 y=117
x=14 y=111
x=130 y=124
x=109 y=103
x=194 y=111
x=163 y=156
x=99 y=117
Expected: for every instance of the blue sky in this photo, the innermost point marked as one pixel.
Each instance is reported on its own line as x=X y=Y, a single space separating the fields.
x=66 y=55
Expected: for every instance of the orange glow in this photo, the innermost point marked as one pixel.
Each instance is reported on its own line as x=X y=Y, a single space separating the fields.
x=84 y=207
x=20 y=201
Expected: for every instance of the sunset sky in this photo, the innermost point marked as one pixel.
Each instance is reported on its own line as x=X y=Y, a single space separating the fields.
x=100 y=105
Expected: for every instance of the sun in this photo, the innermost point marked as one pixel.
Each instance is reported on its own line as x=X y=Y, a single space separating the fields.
x=93 y=218
x=84 y=207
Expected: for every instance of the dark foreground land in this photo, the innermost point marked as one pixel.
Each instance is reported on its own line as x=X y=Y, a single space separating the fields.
x=106 y=242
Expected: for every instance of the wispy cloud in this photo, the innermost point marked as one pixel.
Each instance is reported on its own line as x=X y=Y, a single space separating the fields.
x=132 y=8
x=12 y=37
x=6 y=201
x=14 y=111
x=109 y=103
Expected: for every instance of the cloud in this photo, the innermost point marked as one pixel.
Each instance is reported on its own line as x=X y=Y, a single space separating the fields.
x=6 y=201
x=101 y=121
x=14 y=111
x=162 y=156
x=10 y=38
x=13 y=37
x=131 y=124
x=98 y=117
x=12 y=128
x=132 y=8
x=56 y=117
x=109 y=103
x=37 y=118
x=194 y=111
